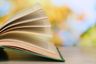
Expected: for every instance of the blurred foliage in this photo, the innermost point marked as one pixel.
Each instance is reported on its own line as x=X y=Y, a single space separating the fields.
x=89 y=37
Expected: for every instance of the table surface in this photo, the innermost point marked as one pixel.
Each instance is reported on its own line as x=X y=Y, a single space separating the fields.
x=72 y=55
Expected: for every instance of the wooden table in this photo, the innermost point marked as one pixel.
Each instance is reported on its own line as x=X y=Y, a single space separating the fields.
x=72 y=55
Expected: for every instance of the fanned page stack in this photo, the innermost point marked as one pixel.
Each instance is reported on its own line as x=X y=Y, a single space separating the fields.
x=30 y=30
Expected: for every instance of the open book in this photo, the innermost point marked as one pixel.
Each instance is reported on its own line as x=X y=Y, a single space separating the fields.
x=29 y=30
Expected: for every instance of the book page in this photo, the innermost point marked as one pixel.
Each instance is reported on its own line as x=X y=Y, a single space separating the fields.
x=22 y=13
x=44 y=22
x=41 y=40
